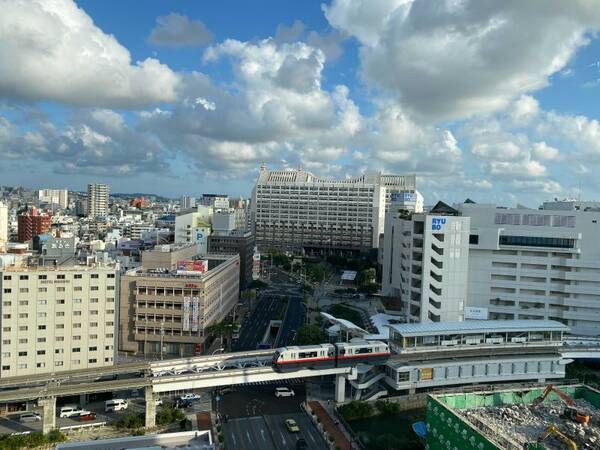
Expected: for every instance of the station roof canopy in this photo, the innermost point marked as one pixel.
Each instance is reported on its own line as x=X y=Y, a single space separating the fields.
x=348 y=275
x=476 y=326
x=345 y=325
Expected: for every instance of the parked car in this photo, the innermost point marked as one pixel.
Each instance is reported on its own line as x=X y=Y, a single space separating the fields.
x=292 y=426
x=284 y=392
x=191 y=396
x=87 y=415
x=30 y=417
x=182 y=404
x=116 y=404
x=70 y=411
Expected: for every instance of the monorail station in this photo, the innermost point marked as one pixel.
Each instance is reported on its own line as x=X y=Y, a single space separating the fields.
x=440 y=354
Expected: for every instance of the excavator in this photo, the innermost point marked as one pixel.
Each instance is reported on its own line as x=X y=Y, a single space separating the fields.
x=553 y=430
x=570 y=410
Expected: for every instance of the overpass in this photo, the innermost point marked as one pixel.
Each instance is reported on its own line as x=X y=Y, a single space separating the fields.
x=211 y=371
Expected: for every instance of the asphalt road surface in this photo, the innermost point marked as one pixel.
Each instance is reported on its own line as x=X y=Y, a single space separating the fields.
x=257 y=400
x=270 y=433
x=294 y=319
x=255 y=326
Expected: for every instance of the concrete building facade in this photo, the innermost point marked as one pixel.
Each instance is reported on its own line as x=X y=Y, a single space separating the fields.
x=536 y=263
x=167 y=313
x=293 y=210
x=166 y=256
x=58 y=197
x=3 y=226
x=236 y=242
x=57 y=319
x=425 y=263
x=194 y=227
x=32 y=224
x=97 y=200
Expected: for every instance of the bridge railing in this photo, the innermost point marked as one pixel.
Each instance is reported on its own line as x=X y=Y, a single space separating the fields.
x=83 y=426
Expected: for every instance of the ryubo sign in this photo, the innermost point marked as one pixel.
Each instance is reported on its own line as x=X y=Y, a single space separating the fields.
x=437 y=223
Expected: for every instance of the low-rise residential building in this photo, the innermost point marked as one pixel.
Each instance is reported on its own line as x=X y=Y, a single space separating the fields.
x=167 y=311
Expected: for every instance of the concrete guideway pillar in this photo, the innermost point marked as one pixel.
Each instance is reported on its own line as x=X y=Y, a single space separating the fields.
x=340 y=388
x=150 y=408
x=48 y=405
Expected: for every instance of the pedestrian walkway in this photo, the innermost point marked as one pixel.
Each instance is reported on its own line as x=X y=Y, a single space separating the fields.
x=332 y=429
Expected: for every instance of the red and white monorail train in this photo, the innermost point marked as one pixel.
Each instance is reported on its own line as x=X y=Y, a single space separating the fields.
x=322 y=356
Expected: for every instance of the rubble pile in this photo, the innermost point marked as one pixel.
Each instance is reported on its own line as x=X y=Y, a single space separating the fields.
x=522 y=423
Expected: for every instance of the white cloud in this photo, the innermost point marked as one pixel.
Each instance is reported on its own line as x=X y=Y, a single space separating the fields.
x=543 y=151
x=177 y=30
x=52 y=50
x=521 y=169
x=452 y=59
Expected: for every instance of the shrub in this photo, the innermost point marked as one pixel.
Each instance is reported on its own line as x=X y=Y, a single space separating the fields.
x=32 y=440
x=387 y=408
x=168 y=414
x=356 y=410
x=131 y=421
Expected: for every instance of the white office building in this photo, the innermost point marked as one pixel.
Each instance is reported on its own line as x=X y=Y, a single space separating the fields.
x=293 y=210
x=425 y=263
x=3 y=226
x=536 y=263
x=195 y=227
x=58 y=197
x=57 y=319
x=97 y=200
x=187 y=202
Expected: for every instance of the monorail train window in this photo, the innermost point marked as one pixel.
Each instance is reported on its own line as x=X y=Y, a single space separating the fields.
x=307 y=354
x=363 y=350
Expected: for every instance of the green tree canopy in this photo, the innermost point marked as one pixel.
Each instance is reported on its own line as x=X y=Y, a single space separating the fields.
x=309 y=335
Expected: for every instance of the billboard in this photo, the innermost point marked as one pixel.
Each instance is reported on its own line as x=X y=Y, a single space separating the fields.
x=476 y=313
x=191 y=267
x=437 y=223
x=195 y=311
x=186 y=313
x=256 y=265
x=403 y=197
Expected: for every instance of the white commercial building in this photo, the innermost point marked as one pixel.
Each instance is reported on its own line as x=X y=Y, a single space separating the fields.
x=57 y=319
x=425 y=263
x=187 y=202
x=195 y=227
x=293 y=210
x=58 y=197
x=535 y=263
x=97 y=200
x=3 y=226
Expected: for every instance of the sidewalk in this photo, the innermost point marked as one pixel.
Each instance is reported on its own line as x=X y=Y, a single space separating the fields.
x=332 y=429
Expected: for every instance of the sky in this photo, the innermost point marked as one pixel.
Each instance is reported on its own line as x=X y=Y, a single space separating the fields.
x=495 y=101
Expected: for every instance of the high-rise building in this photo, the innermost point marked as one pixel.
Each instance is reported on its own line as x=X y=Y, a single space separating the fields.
x=194 y=227
x=293 y=210
x=3 y=226
x=58 y=197
x=167 y=311
x=97 y=200
x=536 y=263
x=425 y=263
x=235 y=242
x=57 y=319
x=32 y=224
x=187 y=202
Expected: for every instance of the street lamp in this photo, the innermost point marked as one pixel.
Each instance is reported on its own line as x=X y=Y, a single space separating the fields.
x=218 y=350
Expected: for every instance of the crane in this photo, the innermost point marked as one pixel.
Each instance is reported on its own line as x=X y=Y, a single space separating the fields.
x=553 y=430
x=570 y=410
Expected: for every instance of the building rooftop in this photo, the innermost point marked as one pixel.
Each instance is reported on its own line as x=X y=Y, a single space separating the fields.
x=474 y=326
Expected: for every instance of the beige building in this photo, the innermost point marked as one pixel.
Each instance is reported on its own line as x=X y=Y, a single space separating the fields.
x=166 y=256
x=54 y=196
x=97 y=200
x=57 y=319
x=166 y=312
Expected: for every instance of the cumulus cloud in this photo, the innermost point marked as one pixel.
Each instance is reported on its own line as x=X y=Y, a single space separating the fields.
x=329 y=42
x=52 y=50
x=177 y=30
x=453 y=59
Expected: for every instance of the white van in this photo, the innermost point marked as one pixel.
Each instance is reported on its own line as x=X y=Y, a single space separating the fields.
x=70 y=411
x=284 y=392
x=116 y=404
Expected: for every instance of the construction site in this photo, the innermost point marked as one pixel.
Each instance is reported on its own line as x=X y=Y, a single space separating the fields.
x=551 y=417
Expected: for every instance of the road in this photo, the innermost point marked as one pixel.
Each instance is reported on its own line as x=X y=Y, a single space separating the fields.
x=294 y=319
x=270 y=433
x=254 y=327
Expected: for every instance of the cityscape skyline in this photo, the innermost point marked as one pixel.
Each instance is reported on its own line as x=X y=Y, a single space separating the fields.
x=206 y=96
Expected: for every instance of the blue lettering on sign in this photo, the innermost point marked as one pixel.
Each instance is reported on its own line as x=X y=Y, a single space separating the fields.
x=437 y=223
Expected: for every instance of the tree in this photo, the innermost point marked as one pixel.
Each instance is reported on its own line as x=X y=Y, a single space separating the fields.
x=310 y=335
x=220 y=329
x=257 y=284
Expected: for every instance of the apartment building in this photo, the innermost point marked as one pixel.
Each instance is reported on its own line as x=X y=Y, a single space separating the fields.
x=536 y=263
x=32 y=224
x=57 y=318
x=167 y=312
x=425 y=263
x=97 y=200
x=58 y=197
x=3 y=226
x=293 y=210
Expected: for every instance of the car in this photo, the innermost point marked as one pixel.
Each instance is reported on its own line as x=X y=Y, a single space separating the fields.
x=30 y=417
x=190 y=396
x=284 y=392
x=116 y=404
x=292 y=426
x=87 y=415
x=70 y=411
x=301 y=444
x=182 y=404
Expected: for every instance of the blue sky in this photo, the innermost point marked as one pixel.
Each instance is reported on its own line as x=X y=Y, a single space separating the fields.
x=497 y=101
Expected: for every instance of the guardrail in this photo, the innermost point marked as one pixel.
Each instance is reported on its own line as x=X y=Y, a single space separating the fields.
x=83 y=426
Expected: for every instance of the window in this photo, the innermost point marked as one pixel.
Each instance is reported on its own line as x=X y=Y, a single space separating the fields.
x=60 y=302
x=76 y=325
x=110 y=288
x=93 y=300
x=60 y=326
x=76 y=300
x=76 y=313
x=76 y=349
x=76 y=361
x=474 y=239
x=93 y=349
x=78 y=288
x=6 y=304
x=6 y=354
x=42 y=302
x=22 y=366
x=7 y=290
x=60 y=339
x=42 y=289
x=23 y=290
x=23 y=341
x=58 y=363
x=42 y=277
x=60 y=314
x=109 y=335
x=92 y=360
x=6 y=329
x=78 y=276
x=60 y=277
x=107 y=359
x=60 y=289
x=23 y=302
x=58 y=351
x=7 y=278
x=41 y=339
x=6 y=341
x=93 y=288
x=533 y=241
x=110 y=311
x=23 y=315
x=6 y=316
x=41 y=315
x=41 y=352
x=110 y=300
x=23 y=277
x=22 y=353
x=110 y=324
x=76 y=338
x=5 y=367
x=41 y=327
x=94 y=275
x=93 y=336
x=110 y=275
x=93 y=324
x=41 y=364
x=94 y=313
